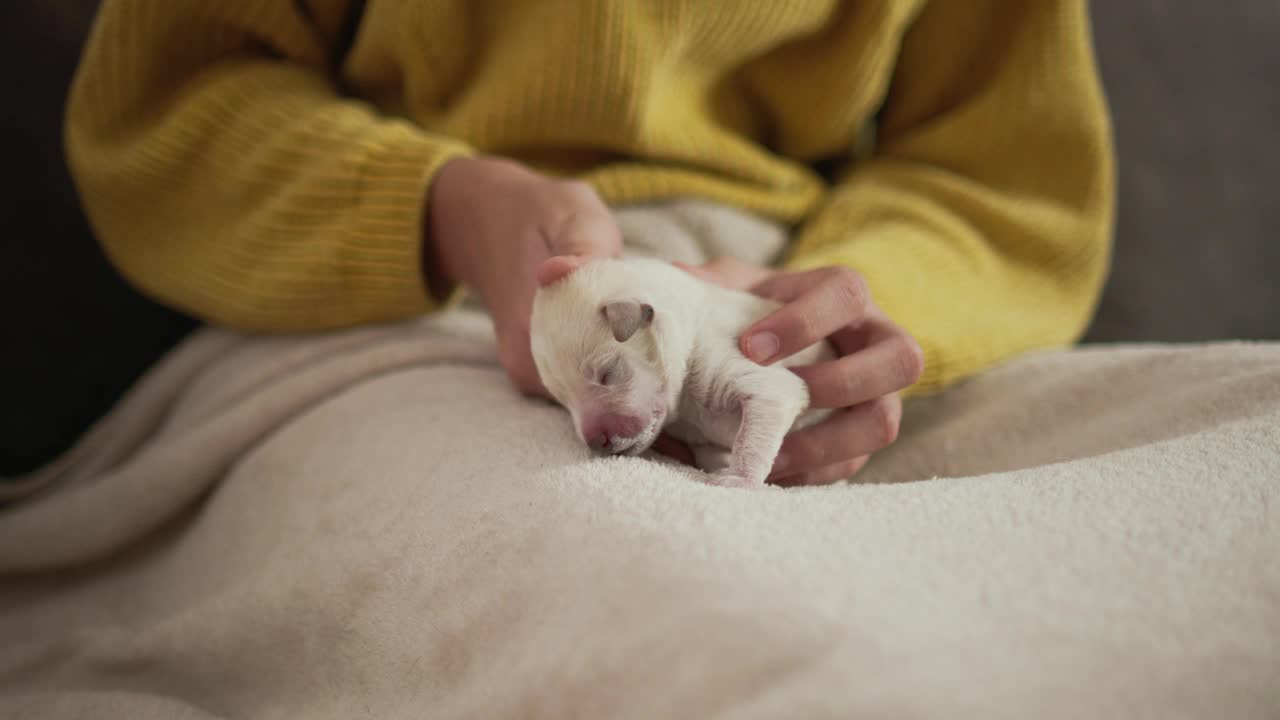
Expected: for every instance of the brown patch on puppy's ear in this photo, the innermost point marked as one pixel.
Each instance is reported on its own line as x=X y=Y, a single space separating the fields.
x=626 y=317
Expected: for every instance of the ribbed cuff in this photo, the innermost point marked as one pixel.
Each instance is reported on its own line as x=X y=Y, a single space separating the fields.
x=384 y=252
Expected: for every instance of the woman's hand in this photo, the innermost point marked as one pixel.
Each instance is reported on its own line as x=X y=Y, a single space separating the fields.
x=875 y=360
x=492 y=223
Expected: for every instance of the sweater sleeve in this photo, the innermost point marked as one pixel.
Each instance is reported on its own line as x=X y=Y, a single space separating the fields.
x=982 y=220
x=225 y=175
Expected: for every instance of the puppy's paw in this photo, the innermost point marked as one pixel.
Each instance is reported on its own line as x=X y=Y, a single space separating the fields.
x=727 y=478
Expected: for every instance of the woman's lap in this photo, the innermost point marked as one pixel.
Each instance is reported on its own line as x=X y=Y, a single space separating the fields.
x=405 y=528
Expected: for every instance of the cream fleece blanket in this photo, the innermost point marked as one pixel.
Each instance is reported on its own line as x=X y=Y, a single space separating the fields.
x=373 y=524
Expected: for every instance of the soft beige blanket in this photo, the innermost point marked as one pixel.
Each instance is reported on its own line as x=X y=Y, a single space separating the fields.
x=373 y=524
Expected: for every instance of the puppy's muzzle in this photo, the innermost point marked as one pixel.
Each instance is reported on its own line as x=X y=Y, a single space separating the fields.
x=612 y=432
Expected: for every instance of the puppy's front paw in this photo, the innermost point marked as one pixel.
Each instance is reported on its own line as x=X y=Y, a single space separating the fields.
x=727 y=478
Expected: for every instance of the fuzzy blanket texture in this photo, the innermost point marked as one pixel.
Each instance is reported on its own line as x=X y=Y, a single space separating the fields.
x=372 y=523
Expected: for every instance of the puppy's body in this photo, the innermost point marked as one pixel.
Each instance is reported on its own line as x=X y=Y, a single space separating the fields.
x=632 y=347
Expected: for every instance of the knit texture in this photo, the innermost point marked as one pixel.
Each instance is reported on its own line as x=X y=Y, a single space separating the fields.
x=240 y=163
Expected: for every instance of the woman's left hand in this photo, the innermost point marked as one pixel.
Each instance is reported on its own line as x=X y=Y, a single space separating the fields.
x=875 y=360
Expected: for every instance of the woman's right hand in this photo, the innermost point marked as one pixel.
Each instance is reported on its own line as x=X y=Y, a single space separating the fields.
x=492 y=224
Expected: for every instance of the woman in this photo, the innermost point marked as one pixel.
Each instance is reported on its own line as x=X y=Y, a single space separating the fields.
x=324 y=163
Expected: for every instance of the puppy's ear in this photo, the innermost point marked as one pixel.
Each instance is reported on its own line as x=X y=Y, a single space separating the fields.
x=626 y=317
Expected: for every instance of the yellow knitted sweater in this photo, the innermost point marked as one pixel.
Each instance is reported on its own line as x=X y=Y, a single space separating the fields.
x=263 y=164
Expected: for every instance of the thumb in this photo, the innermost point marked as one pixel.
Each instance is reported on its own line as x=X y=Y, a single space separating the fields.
x=587 y=234
x=698 y=271
x=557 y=267
x=727 y=271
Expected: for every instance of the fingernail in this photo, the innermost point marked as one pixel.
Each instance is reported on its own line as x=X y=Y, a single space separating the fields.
x=762 y=346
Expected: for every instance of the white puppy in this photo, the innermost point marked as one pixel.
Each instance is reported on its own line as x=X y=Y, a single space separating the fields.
x=632 y=347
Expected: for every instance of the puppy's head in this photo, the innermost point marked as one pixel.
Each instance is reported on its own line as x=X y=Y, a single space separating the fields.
x=595 y=342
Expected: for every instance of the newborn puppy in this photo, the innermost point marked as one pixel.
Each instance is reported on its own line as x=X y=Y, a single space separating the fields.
x=632 y=347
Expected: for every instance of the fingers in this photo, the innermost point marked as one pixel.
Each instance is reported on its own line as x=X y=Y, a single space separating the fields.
x=517 y=361
x=702 y=272
x=587 y=236
x=890 y=365
x=728 y=271
x=586 y=229
x=840 y=438
x=817 y=304
x=557 y=267
x=584 y=234
x=525 y=381
x=824 y=476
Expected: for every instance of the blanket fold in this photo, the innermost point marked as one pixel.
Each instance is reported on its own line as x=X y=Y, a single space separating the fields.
x=374 y=524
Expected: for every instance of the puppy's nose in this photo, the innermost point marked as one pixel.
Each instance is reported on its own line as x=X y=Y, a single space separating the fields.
x=599 y=440
x=600 y=431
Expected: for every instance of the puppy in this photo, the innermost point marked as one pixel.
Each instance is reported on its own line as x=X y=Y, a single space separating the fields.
x=632 y=347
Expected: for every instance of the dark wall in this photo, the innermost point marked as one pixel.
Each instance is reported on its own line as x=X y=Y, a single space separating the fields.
x=1195 y=94
x=73 y=335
